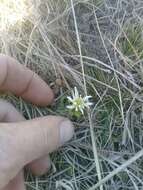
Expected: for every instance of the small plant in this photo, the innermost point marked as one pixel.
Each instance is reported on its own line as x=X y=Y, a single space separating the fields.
x=77 y=103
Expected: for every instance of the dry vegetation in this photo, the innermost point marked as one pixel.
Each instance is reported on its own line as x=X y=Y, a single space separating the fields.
x=97 y=46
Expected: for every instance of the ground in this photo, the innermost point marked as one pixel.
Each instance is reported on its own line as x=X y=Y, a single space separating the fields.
x=97 y=46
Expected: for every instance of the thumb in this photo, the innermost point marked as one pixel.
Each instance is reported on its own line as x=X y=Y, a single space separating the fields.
x=33 y=139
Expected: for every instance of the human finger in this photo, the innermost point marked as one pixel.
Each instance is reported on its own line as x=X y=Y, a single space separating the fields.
x=40 y=166
x=16 y=184
x=24 y=142
x=21 y=81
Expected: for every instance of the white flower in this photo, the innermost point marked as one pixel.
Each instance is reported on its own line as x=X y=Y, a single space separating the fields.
x=77 y=102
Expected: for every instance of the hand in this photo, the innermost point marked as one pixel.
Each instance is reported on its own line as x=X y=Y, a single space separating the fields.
x=26 y=143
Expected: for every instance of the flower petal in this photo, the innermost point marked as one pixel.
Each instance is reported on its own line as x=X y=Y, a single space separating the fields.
x=76 y=108
x=86 y=98
x=69 y=98
x=71 y=107
x=81 y=110
x=73 y=94
x=76 y=92
x=89 y=103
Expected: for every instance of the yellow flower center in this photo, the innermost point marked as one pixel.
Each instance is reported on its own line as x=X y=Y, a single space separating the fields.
x=79 y=102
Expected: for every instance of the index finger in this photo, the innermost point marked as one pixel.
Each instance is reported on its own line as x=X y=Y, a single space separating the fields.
x=23 y=82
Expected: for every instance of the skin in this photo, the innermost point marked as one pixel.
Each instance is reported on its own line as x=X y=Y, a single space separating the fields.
x=26 y=143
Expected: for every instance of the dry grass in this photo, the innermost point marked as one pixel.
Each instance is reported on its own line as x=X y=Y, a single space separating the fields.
x=95 y=45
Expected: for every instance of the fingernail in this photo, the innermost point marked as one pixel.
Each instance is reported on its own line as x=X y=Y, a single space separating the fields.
x=66 y=131
x=41 y=166
x=46 y=163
